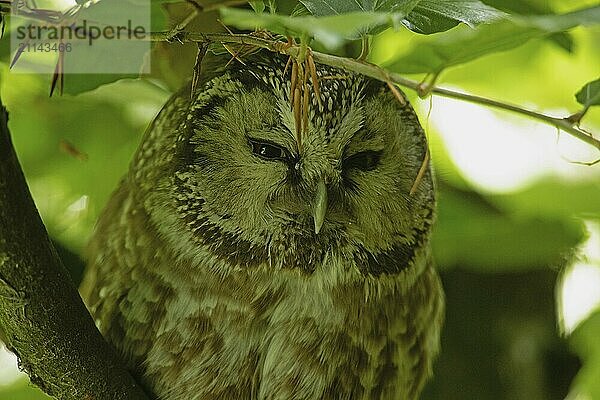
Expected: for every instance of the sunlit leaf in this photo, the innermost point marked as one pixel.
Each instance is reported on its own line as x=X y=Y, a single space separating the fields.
x=555 y=23
x=470 y=12
x=589 y=95
x=257 y=5
x=332 y=31
x=159 y=20
x=424 y=23
x=533 y=7
x=423 y=16
x=463 y=45
x=336 y=7
x=431 y=16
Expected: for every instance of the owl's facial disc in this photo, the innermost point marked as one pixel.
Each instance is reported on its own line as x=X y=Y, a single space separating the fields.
x=347 y=182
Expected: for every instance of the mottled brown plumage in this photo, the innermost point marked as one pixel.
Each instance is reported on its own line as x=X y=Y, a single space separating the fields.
x=206 y=271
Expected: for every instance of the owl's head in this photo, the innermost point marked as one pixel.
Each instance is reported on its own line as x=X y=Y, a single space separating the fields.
x=225 y=175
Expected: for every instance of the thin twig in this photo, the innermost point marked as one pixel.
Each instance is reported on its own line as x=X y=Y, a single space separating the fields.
x=245 y=39
x=365 y=48
x=560 y=123
x=378 y=73
x=422 y=170
x=180 y=27
x=202 y=48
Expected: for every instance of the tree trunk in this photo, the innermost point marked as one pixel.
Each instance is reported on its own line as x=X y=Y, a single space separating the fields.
x=42 y=316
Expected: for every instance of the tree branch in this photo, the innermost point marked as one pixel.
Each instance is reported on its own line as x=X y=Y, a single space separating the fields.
x=44 y=320
x=379 y=73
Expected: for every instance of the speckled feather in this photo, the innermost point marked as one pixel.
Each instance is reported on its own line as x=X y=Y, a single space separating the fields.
x=205 y=271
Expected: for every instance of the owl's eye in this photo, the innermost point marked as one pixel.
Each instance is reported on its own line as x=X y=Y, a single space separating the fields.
x=268 y=151
x=365 y=160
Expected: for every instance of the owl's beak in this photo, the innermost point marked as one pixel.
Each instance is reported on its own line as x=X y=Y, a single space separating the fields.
x=320 y=205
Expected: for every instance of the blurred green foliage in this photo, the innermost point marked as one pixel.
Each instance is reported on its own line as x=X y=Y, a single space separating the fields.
x=500 y=252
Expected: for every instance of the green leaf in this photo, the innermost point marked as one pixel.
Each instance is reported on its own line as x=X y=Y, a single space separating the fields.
x=431 y=16
x=420 y=22
x=159 y=17
x=461 y=46
x=422 y=16
x=336 y=7
x=521 y=7
x=534 y=7
x=470 y=12
x=333 y=21
x=2 y=24
x=433 y=55
x=332 y=31
x=557 y=23
x=589 y=95
x=257 y=5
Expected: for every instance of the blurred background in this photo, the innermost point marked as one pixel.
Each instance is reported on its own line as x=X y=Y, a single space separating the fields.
x=518 y=233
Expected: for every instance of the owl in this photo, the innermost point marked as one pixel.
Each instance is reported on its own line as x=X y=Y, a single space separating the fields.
x=238 y=259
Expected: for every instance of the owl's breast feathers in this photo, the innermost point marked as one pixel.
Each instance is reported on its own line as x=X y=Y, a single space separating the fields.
x=194 y=332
